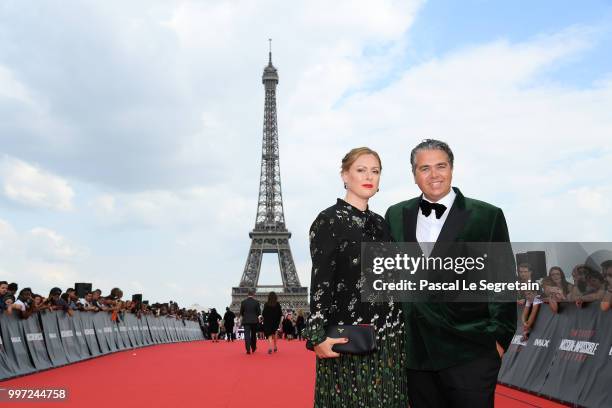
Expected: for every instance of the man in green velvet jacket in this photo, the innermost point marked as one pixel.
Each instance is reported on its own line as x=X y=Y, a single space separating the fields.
x=453 y=349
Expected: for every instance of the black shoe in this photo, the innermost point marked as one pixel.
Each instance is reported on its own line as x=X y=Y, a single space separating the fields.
x=248 y=352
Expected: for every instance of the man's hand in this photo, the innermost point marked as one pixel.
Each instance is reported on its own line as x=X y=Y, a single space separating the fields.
x=324 y=349
x=500 y=350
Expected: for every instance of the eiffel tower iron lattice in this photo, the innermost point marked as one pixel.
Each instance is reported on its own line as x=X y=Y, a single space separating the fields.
x=270 y=234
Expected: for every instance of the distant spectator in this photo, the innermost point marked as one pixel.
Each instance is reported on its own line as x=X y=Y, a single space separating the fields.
x=3 y=292
x=12 y=288
x=558 y=277
x=595 y=286
x=590 y=286
x=287 y=325
x=228 y=322
x=8 y=301
x=525 y=272
x=24 y=300
x=115 y=295
x=300 y=323
x=97 y=301
x=580 y=284
x=556 y=288
x=606 y=269
x=55 y=301
x=87 y=304
x=531 y=299
x=72 y=299
x=38 y=303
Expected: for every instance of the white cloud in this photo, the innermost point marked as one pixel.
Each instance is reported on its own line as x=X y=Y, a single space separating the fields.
x=11 y=88
x=32 y=186
x=47 y=245
x=39 y=258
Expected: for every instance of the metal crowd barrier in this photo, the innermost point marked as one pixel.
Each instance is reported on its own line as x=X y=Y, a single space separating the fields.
x=52 y=339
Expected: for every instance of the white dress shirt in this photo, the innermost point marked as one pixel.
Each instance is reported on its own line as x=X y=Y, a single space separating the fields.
x=428 y=228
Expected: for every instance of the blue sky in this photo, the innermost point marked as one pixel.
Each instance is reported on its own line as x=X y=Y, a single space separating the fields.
x=131 y=133
x=444 y=26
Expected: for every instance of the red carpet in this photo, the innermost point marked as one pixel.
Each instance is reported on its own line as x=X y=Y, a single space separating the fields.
x=200 y=374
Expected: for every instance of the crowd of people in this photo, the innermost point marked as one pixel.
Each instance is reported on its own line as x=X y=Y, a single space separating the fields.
x=273 y=323
x=25 y=302
x=588 y=285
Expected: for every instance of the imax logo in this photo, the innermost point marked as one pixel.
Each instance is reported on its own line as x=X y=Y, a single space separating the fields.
x=541 y=343
x=517 y=340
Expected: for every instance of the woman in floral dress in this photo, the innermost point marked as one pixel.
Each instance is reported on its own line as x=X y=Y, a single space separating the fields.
x=344 y=380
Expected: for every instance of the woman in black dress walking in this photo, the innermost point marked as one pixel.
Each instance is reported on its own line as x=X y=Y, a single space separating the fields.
x=213 y=324
x=377 y=379
x=272 y=314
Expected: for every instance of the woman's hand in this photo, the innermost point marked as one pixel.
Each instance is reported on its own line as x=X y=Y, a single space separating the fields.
x=324 y=349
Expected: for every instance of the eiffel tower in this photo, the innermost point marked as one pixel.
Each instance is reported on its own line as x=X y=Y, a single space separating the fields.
x=270 y=234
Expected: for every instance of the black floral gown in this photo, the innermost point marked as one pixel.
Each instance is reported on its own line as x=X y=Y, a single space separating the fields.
x=373 y=380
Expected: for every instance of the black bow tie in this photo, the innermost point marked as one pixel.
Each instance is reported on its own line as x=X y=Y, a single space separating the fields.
x=426 y=208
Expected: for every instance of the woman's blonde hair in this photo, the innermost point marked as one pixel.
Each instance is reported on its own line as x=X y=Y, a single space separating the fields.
x=354 y=154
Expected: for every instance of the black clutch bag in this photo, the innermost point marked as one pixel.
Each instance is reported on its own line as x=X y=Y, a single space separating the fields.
x=362 y=338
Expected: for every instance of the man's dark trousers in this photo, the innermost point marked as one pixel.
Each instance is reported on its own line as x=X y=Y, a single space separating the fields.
x=250 y=336
x=470 y=384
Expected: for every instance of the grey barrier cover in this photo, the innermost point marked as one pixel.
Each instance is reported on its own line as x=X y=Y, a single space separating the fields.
x=6 y=366
x=22 y=354
x=68 y=337
x=103 y=332
x=166 y=324
x=152 y=329
x=530 y=363
x=36 y=342
x=595 y=389
x=163 y=330
x=568 y=356
x=51 y=332
x=89 y=332
x=133 y=332
x=14 y=344
x=116 y=334
x=75 y=324
x=587 y=331
x=123 y=331
x=143 y=328
x=180 y=329
x=171 y=328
